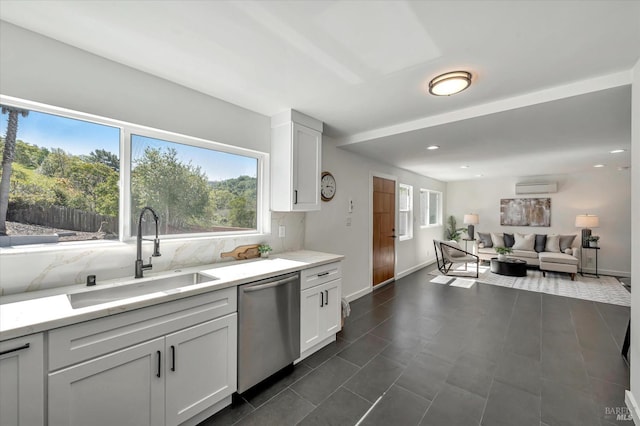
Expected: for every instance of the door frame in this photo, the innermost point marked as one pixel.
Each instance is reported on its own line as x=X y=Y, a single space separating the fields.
x=394 y=178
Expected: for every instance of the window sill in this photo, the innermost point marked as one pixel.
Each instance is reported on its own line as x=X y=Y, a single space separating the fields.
x=101 y=244
x=430 y=226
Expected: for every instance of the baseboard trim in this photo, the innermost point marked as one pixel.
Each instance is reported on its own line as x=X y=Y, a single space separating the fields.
x=632 y=405
x=610 y=272
x=413 y=269
x=358 y=294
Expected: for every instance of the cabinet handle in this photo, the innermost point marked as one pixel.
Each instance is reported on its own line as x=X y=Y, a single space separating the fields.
x=173 y=358
x=295 y=196
x=326 y=293
x=322 y=274
x=159 y=362
x=321 y=299
x=19 y=348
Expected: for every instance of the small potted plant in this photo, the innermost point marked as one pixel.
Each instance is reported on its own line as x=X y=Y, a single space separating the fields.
x=503 y=252
x=593 y=240
x=264 y=250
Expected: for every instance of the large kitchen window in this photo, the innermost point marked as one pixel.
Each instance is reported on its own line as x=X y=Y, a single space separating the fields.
x=405 y=212
x=64 y=176
x=78 y=177
x=430 y=208
x=193 y=189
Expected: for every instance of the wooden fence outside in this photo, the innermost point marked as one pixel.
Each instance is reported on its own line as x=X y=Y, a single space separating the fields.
x=64 y=218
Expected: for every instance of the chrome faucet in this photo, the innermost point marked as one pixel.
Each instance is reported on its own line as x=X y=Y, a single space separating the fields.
x=140 y=266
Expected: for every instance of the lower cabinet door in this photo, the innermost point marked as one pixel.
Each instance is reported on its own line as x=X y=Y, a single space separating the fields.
x=22 y=381
x=332 y=310
x=310 y=317
x=200 y=367
x=122 y=388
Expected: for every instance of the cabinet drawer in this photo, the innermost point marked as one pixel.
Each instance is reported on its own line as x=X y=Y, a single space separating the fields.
x=80 y=342
x=320 y=275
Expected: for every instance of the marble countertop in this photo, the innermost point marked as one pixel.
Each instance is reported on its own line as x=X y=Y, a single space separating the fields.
x=34 y=312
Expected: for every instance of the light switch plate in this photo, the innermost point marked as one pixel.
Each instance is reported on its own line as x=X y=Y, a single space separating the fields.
x=281 y=231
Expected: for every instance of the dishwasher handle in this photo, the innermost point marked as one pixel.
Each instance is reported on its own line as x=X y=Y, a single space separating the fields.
x=269 y=285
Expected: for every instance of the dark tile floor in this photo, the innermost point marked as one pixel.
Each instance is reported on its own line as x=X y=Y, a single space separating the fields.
x=440 y=355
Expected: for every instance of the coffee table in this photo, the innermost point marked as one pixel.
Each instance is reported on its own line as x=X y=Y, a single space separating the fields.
x=510 y=267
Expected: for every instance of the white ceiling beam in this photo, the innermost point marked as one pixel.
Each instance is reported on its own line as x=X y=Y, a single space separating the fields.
x=546 y=95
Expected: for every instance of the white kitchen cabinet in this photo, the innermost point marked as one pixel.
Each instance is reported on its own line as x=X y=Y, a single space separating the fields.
x=296 y=150
x=160 y=365
x=122 y=388
x=200 y=367
x=320 y=307
x=22 y=381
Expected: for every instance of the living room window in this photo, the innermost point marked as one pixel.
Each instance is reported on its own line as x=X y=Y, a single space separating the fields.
x=430 y=208
x=78 y=177
x=405 y=212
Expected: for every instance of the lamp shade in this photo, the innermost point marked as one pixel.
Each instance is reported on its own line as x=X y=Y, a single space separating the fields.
x=587 y=221
x=471 y=219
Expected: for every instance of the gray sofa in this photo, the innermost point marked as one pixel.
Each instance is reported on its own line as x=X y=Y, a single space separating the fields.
x=557 y=253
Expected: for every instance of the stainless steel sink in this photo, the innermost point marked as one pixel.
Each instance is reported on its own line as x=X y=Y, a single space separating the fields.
x=135 y=288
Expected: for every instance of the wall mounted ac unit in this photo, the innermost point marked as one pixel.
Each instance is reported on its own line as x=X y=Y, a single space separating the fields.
x=536 y=188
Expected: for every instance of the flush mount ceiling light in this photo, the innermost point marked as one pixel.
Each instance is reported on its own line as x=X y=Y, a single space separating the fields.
x=432 y=147
x=450 y=83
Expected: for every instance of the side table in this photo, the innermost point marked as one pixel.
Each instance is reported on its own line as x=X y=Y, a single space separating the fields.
x=581 y=264
x=473 y=248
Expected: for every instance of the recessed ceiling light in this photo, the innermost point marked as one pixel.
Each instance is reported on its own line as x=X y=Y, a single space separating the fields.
x=617 y=151
x=598 y=166
x=480 y=175
x=449 y=83
x=432 y=147
x=621 y=168
x=464 y=167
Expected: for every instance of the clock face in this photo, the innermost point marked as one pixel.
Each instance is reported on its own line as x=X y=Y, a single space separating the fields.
x=327 y=186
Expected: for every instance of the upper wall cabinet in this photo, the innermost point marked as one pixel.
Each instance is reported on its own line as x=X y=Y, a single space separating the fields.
x=296 y=149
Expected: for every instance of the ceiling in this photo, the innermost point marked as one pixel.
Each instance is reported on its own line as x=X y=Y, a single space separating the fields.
x=551 y=80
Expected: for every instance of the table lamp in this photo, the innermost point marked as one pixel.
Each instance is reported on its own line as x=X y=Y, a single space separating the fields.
x=586 y=221
x=471 y=219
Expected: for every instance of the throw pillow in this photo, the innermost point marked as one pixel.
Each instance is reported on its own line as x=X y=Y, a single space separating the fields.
x=541 y=242
x=525 y=242
x=485 y=239
x=553 y=244
x=568 y=251
x=452 y=252
x=497 y=240
x=509 y=240
x=566 y=241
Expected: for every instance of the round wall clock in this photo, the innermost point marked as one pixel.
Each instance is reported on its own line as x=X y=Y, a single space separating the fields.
x=327 y=186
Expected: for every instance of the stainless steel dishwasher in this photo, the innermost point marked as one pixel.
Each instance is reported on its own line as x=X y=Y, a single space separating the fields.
x=268 y=328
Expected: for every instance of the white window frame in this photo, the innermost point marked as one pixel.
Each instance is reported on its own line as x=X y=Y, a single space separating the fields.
x=425 y=208
x=263 y=219
x=408 y=211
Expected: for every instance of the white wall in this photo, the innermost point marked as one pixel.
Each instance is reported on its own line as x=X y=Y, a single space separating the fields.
x=40 y=69
x=327 y=229
x=635 y=236
x=601 y=192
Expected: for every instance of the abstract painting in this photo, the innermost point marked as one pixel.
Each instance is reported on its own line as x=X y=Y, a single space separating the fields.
x=525 y=212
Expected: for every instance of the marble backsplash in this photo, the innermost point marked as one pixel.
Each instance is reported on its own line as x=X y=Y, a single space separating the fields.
x=23 y=270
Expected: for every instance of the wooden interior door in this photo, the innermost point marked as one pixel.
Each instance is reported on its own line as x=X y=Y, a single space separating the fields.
x=384 y=208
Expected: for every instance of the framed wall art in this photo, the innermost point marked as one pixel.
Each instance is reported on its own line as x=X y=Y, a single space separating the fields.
x=525 y=212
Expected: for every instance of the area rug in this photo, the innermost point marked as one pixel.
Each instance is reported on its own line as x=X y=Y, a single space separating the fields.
x=604 y=289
